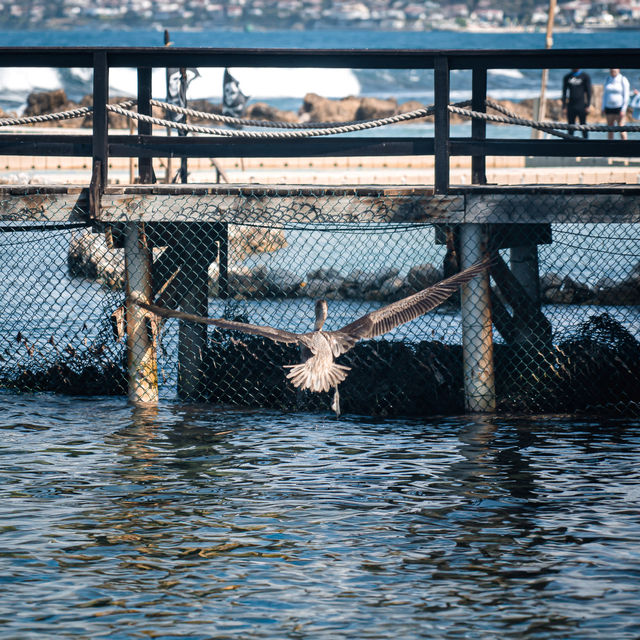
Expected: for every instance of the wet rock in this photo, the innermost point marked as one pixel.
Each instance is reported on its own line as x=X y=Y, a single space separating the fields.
x=359 y=281
x=550 y=280
x=247 y=283
x=319 y=288
x=315 y=108
x=374 y=108
x=627 y=291
x=264 y=111
x=423 y=275
x=43 y=102
x=90 y=257
x=324 y=274
x=382 y=275
x=281 y=283
x=392 y=289
x=569 y=292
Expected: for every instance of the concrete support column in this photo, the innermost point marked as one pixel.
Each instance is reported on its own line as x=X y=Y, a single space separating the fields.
x=524 y=266
x=193 y=336
x=477 y=336
x=141 y=328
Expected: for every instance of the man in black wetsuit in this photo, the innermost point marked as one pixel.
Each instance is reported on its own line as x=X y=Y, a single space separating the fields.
x=576 y=97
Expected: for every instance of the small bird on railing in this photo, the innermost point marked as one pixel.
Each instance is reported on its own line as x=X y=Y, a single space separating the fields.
x=318 y=370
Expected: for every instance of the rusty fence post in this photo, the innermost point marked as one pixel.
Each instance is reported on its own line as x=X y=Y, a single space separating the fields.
x=141 y=327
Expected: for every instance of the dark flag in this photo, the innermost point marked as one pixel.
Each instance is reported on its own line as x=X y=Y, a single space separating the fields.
x=233 y=100
x=177 y=82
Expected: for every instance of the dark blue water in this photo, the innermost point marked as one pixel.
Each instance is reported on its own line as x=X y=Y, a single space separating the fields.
x=321 y=39
x=286 y=88
x=195 y=522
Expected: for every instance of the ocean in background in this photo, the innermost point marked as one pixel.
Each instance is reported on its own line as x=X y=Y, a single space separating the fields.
x=285 y=88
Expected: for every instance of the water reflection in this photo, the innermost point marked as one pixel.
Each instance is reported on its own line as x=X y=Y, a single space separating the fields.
x=188 y=521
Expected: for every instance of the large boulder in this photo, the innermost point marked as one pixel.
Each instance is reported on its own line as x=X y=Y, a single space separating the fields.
x=422 y=276
x=264 y=111
x=90 y=257
x=315 y=108
x=414 y=105
x=43 y=102
x=374 y=108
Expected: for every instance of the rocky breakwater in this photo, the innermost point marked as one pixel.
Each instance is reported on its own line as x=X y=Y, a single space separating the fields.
x=89 y=255
x=386 y=285
x=383 y=285
x=607 y=291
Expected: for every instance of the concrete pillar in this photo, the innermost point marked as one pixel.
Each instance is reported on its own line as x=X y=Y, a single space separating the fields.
x=477 y=336
x=141 y=328
x=193 y=336
x=524 y=266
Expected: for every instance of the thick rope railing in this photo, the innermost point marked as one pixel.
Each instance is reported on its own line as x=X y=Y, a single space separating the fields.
x=53 y=117
x=314 y=129
x=548 y=124
x=248 y=122
x=306 y=133
x=513 y=114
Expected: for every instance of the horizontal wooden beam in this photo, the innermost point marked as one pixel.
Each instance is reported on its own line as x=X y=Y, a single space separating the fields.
x=212 y=147
x=550 y=206
x=43 y=204
x=290 y=207
x=161 y=146
x=554 y=147
x=327 y=58
x=254 y=204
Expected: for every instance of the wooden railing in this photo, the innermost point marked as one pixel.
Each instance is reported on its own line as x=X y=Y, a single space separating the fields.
x=146 y=146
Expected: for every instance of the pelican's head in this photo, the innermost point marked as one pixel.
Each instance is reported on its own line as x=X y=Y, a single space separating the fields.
x=321 y=314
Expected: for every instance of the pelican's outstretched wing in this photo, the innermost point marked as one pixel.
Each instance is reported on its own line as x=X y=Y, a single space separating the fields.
x=393 y=315
x=277 y=335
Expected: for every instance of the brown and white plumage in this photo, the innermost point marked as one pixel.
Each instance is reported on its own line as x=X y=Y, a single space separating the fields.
x=319 y=371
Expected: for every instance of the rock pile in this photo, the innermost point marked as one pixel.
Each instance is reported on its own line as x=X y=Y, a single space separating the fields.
x=89 y=256
x=607 y=291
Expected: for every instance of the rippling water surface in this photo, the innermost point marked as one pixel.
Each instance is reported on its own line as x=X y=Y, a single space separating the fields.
x=196 y=522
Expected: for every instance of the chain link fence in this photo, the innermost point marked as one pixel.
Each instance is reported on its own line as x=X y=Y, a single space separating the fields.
x=565 y=300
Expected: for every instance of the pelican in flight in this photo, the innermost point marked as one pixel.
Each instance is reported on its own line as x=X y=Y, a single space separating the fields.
x=318 y=370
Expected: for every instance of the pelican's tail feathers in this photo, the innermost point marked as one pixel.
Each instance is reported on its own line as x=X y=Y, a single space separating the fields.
x=308 y=375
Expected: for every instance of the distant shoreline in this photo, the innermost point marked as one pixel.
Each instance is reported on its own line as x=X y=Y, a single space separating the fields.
x=473 y=28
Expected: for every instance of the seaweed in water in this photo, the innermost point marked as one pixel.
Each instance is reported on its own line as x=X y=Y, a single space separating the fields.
x=83 y=369
x=386 y=378
x=595 y=370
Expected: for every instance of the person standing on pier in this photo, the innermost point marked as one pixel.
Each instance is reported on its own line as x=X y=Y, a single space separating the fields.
x=615 y=101
x=576 y=97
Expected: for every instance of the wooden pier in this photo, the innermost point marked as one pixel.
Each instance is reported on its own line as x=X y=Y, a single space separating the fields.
x=142 y=216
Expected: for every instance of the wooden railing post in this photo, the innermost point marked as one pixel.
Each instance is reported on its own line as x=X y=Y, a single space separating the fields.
x=100 y=140
x=441 y=119
x=479 y=127
x=145 y=165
